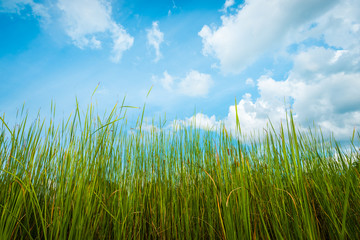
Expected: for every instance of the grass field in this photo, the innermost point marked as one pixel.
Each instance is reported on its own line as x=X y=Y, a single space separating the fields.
x=89 y=177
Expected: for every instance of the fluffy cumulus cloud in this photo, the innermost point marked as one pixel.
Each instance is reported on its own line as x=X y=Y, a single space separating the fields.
x=194 y=84
x=322 y=89
x=322 y=86
x=339 y=27
x=331 y=98
x=155 y=37
x=259 y=26
x=254 y=115
x=85 y=20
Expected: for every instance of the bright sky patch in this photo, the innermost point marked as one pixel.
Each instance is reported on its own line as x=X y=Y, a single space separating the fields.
x=270 y=55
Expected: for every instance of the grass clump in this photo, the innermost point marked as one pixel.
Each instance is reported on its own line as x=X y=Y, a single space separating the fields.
x=90 y=178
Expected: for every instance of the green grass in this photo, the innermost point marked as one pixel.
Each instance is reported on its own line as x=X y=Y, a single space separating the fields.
x=89 y=178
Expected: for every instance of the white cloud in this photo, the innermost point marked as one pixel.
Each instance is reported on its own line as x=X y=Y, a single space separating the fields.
x=16 y=6
x=199 y=121
x=85 y=20
x=323 y=84
x=122 y=41
x=254 y=115
x=194 y=84
x=315 y=62
x=227 y=4
x=330 y=99
x=94 y=43
x=340 y=27
x=82 y=18
x=155 y=37
x=167 y=81
x=257 y=27
x=250 y=82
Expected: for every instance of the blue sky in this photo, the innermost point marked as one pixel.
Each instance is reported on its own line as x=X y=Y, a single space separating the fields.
x=196 y=55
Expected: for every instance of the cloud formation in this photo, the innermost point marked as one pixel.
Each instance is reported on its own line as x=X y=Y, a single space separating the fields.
x=155 y=37
x=322 y=86
x=330 y=98
x=122 y=41
x=227 y=4
x=259 y=26
x=167 y=81
x=250 y=82
x=85 y=20
x=199 y=121
x=16 y=6
x=194 y=84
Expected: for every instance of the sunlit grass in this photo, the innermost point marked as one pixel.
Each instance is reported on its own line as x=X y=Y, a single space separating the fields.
x=91 y=178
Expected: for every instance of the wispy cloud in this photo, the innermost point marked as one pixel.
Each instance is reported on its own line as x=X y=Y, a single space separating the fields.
x=83 y=19
x=155 y=37
x=173 y=8
x=86 y=20
x=250 y=82
x=16 y=6
x=167 y=81
x=122 y=41
x=227 y=4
